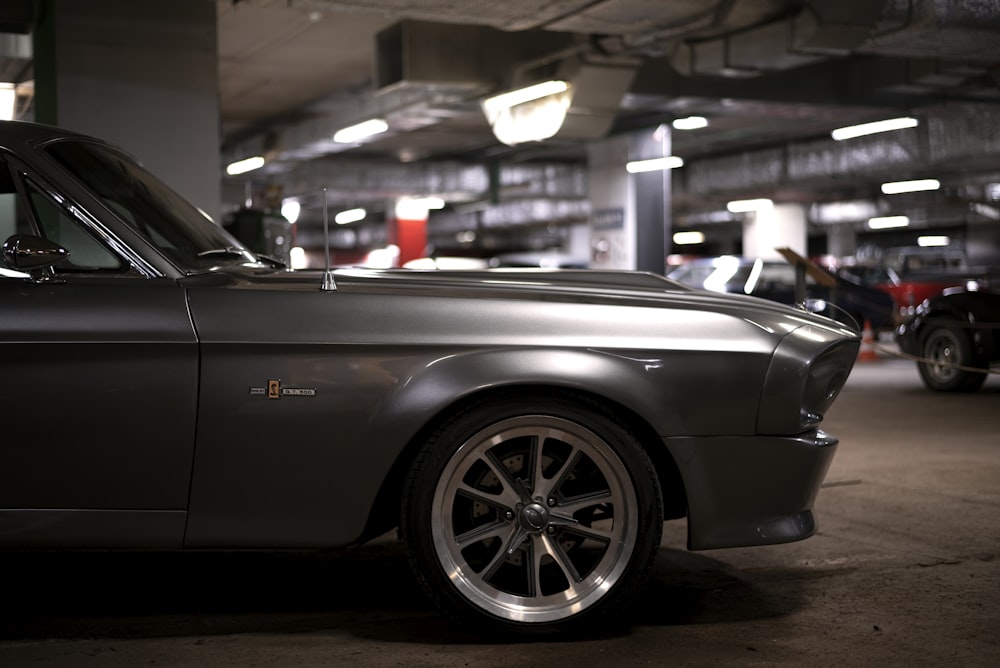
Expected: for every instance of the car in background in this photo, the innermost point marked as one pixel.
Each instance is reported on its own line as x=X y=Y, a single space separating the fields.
x=906 y=290
x=911 y=274
x=447 y=262
x=527 y=430
x=955 y=337
x=542 y=259
x=775 y=280
x=911 y=260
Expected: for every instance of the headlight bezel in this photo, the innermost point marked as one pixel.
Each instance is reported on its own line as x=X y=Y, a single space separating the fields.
x=808 y=370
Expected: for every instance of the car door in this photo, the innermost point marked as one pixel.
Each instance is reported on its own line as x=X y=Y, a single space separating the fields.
x=98 y=365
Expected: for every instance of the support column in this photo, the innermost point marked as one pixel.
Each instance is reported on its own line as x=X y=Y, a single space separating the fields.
x=408 y=230
x=779 y=226
x=143 y=75
x=630 y=223
x=841 y=240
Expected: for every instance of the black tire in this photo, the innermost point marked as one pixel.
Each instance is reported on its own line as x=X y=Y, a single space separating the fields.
x=942 y=351
x=532 y=514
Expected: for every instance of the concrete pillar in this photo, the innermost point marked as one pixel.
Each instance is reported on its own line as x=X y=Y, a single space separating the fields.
x=142 y=75
x=779 y=226
x=841 y=240
x=630 y=220
x=407 y=229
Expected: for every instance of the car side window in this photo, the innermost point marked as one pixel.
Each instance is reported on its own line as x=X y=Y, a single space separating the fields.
x=10 y=222
x=29 y=210
x=86 y=253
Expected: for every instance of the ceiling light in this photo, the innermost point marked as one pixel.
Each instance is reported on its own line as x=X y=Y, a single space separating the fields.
x=747 y=205
x=690 y=123
x=434 y=203
x=897 y=187
x=416 y=208
x=654 y=164
x=359 y=131
x=530 y=114
x=349 y=216
x=887 y=125
x=8 y=98
x=689 y=238
x=244 y=166
x=887 y=222
x=933 y=241
x=521 y=95
x=290 y=209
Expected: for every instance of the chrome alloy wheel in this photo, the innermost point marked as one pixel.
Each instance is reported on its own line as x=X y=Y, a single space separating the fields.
x=534 y=519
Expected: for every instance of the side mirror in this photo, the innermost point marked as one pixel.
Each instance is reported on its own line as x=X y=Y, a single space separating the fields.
x=30 y=254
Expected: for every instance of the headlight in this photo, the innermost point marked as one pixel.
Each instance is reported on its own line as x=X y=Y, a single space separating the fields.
x=807 y=372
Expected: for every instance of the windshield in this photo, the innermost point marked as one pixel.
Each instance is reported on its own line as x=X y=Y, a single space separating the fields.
x=180 y=231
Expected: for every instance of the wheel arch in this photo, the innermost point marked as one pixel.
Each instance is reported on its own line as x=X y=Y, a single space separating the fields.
x=384 y=512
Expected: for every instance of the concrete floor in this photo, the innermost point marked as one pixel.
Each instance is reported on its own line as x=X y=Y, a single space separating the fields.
x=903 y=572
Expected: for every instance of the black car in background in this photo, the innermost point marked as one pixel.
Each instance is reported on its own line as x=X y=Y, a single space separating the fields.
x=775 y=280
x=956 y=337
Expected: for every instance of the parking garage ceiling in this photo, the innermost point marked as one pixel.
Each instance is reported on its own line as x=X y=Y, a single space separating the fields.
x=773 y=77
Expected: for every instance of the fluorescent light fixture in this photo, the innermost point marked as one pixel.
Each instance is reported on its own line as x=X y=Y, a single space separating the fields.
x=434 y=203
x=350 y=216
x=359 y=131
x=887 y=125
x=747 y=205
x=513 y=98
x=416 y=208
x=887 y=222
x=933 y=240
x=897 y=187
x=244 y=166
x=290 y=209
x=690 y=123
x=8 y=98
x=531 y=114
x=654 y=164
x=689 y=238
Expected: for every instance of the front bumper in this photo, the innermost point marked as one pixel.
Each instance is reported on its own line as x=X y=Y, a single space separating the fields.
x=751 y=490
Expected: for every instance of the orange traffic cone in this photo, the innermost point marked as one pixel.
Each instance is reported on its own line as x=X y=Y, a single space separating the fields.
x=867 y=351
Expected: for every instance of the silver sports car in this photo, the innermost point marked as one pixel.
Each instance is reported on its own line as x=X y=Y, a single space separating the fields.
x=528 y=431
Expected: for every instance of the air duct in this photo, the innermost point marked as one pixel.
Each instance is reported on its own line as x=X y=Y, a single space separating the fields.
x=823 y=30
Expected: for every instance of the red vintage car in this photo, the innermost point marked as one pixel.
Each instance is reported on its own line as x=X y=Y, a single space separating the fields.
x=912 y=274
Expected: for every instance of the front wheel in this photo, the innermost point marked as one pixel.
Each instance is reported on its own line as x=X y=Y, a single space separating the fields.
x=532 y=514
x=944 y=351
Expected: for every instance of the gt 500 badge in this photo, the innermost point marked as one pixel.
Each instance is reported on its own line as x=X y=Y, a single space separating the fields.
x=274 y=390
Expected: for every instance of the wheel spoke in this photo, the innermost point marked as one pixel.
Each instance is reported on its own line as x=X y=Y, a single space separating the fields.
x=505 y=500
x=560 y=475
x=498 y=529
x=501 y=556
x=535 y=460
x=576 y=504
x=596 y=534
x=554 y=550
x=508 y=496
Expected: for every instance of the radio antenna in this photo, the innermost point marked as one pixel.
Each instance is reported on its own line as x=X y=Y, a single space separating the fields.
x=329 y=283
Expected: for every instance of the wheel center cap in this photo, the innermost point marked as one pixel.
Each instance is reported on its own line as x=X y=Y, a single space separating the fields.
x=534 y=517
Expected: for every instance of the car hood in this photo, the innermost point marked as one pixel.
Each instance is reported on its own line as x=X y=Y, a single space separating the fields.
x=585 y=286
